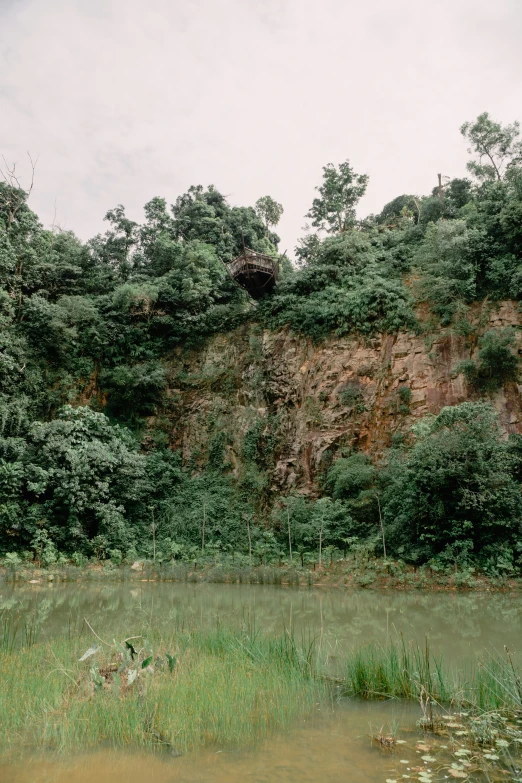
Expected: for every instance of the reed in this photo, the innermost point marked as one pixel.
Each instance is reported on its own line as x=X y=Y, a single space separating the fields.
x=16 y=631
x=407 y=670
x=218 y=686
x=227 y=687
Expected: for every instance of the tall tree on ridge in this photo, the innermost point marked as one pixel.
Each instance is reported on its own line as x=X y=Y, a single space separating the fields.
x=342 y=187
x=499 y=146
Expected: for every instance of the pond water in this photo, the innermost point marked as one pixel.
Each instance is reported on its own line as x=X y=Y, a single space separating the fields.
x=457 y=625
x=334 y=748
x=331 y=744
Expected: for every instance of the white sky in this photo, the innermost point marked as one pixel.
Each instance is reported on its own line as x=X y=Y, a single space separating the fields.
x=123 y=100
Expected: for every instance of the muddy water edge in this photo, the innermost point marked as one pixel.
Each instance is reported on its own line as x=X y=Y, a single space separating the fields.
x=332 y=741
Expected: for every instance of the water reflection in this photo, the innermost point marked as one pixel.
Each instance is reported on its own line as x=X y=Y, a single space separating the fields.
x=456 y=624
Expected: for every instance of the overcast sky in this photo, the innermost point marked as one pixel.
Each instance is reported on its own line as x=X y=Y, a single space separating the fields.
x=123 y=100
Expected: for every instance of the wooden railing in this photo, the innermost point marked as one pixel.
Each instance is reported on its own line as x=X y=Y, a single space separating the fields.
x=250 y=260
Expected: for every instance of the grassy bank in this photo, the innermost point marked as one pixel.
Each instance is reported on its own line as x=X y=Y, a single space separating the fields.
x=352 y=572
x=179 y=692
x=225 y=687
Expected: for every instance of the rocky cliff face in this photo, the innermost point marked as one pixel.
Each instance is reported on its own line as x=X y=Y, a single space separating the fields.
x=317 y=399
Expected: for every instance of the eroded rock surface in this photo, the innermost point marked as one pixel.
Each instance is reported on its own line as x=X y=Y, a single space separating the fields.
x=315 y=399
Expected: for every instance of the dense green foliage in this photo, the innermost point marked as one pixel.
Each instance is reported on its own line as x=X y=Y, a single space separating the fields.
x=496 y=361
x=455 y=492
x=86 y=331
x=99 y=318
x=462 y=242
x=344 y=286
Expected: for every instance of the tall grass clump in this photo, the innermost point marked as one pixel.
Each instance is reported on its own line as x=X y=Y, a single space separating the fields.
x=397 y=669
x=407 y=670
x=188 y=689
x=16 y=631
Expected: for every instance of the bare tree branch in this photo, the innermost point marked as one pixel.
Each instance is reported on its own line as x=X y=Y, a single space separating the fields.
x=14 y=196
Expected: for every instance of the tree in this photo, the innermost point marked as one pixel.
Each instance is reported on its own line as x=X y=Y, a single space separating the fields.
x=198 y=215
x=354 y=480
x=404 y=206
x=348 y=476
x=334 y=210
x=77 y=477
x=206 y=505
x=269 y=210
x=12 y=196
x=120 y=240
x=330 y=524
x=498 y=148
x=206 y=216
x=445 y=259
x=457 y=487
x=457 y=193
x=158 y=244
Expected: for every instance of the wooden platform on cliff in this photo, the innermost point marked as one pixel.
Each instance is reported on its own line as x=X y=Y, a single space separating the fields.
x=256 y=272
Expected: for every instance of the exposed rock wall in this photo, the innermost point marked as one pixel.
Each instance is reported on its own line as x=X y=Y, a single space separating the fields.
x=319 y=398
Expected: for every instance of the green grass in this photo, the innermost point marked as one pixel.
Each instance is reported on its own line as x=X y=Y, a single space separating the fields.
x=409 y=671
x=16 y=630
x=228 y=687
x=219 y=687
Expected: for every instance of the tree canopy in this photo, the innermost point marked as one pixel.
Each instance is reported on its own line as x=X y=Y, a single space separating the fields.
x=339 y=193
x=88 y=331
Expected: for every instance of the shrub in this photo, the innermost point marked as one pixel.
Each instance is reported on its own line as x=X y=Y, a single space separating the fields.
x=134 y=390
x=350 y=395
x=496 y=364
x=12 y=559
x=448 y=273
x=367 y=304
x=116 y=556
x=404 y=394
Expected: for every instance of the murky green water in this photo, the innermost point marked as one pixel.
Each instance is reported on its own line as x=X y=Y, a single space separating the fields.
x=334 y=747
x=456 y=624
x=329 y=745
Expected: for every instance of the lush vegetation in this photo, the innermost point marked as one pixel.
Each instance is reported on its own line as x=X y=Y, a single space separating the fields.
x=176 y=692
x=87 y=329
x=462 y=242
x=226 y=687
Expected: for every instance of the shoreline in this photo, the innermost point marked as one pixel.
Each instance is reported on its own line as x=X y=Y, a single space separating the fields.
x=372 y=575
